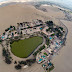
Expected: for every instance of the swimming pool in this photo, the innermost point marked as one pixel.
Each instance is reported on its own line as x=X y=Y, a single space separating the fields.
x=2 y=37
x=50 y=38
x=56 y=43
x=41 y=28
x=61 y=42
x=43 y=56
x=56 y=47
x=9 y=28
x=40 y=60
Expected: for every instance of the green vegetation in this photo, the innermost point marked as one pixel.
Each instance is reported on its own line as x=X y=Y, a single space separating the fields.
x=38 y=25
x=23 y=48
x=50 y=69
x=42 y=48
x=49 y=23
x=7 y=56
x=58 y=32
x=18 y=67
x=61 y=28
x=28 y=62
x=51 y=28
x=11 y=27
x=0 y=41
x=39 y=50
x=46 y=54
x=52 y=34
x=47 y=29
x=47 y=41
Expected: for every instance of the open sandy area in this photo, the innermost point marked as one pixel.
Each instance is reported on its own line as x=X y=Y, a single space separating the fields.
x=53 y=11
x=63 y=61
x=12 y=14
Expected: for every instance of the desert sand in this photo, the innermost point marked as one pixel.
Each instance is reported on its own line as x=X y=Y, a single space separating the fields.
x=53 y=11
x=12 y=14
x=63 y=61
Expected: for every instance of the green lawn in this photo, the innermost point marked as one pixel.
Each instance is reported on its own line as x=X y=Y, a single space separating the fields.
x=23 y=48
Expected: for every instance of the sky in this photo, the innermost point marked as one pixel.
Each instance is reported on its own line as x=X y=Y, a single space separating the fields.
x=59 y=1
x=67 y=3
x=42 y=0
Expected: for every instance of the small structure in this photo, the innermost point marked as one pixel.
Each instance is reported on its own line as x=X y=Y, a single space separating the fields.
x=26 y=66
x=49 y=50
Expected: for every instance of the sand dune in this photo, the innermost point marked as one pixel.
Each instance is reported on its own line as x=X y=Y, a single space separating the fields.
x=53 y=11
x=12 y=14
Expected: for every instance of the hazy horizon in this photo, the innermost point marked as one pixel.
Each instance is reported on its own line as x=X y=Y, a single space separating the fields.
x=66 y=3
